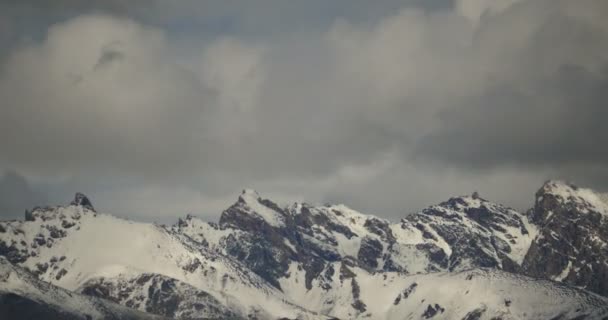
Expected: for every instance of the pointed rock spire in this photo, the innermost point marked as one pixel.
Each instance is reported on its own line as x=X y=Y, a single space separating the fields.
x=82 y=200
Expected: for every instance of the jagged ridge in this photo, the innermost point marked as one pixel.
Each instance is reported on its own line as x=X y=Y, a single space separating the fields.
x=266 y=261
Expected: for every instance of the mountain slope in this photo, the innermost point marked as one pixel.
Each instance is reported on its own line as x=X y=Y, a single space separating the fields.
x=158 y=294
x=325 y=245
x=465 y=258
x=23 y=296
x=71 y=246
x=489 y=293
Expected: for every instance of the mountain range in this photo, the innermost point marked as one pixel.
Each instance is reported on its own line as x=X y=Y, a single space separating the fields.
x=466 y=258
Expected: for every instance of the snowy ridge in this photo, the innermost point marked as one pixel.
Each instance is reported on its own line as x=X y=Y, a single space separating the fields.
x=317 y=241
x=431 y=240
x=22 y=293
x=585 y=200
x=83 y=250
x=465 y=258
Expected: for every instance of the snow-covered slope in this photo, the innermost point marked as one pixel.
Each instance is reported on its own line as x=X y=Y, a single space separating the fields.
x=459 y=259
x=23 y=296
x=472 y=294
x=70 y=246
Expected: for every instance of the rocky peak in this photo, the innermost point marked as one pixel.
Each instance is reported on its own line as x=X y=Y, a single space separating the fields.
x=250 y=211
x=184 y=222
x=248 y=195
x=562 y=196
x=473 y=207
x=472 y=231
x=463 y=202
x=572 y=245
x=83 y=201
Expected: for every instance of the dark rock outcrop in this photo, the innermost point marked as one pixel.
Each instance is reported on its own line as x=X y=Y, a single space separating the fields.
x=82 y=200
x=160 y=295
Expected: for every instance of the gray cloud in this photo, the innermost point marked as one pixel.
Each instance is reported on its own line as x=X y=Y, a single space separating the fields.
x=17 y=195
x=160 y=110
x=556 y=122
x=547 y=111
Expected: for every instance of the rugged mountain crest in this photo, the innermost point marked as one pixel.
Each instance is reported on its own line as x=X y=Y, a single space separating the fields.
x=69 y=246
x=265 y=261
x=473 y=232
x=463 y=232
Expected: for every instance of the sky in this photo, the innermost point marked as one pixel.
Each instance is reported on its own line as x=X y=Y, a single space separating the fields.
x=156 y=109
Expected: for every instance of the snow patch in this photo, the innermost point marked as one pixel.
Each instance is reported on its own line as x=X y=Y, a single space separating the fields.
x=565 y=272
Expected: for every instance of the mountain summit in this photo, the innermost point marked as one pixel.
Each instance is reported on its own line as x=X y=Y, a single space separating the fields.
x=572 y=245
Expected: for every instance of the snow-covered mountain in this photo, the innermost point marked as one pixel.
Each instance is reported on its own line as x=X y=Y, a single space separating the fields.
x=461 y=233
x=465 y=258
x=78 y=249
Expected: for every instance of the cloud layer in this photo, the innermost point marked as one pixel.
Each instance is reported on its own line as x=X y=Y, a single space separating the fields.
x=388 y=111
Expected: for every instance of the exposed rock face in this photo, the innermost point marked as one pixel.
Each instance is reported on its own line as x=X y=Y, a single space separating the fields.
x=262 y=246
x=572 y=246
x=473 y=232
x=369 y=253
x=431 y=311
x=157 y=294
x=460 y=233
x=83 y=201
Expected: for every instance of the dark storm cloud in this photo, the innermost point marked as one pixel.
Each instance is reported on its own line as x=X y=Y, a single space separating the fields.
x=550 y=108
x=560 y=121
x=54 y=9
x=262 y=16
x=157 y=109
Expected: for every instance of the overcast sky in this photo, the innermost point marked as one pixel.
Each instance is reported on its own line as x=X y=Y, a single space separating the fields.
x=156 y=109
